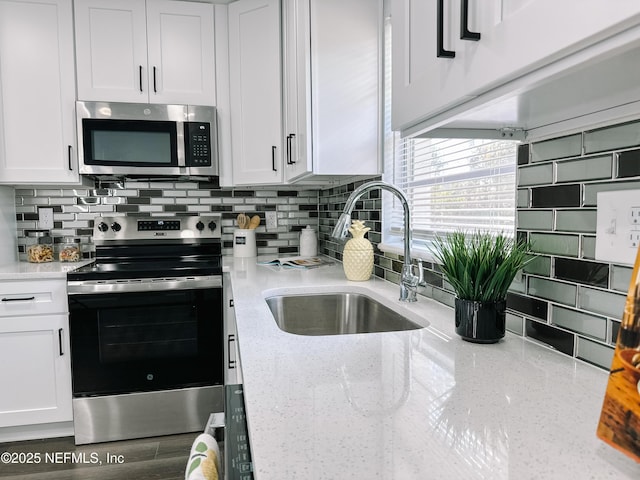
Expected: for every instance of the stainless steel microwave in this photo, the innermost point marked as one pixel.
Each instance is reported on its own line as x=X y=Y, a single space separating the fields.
x=146 y=140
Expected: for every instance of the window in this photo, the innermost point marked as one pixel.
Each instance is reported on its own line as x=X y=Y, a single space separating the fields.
x=450 y=183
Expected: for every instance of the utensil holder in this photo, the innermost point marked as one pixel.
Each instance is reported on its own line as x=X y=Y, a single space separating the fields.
x=244 y=242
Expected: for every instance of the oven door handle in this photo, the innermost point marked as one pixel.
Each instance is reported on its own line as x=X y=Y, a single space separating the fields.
x=144 y=285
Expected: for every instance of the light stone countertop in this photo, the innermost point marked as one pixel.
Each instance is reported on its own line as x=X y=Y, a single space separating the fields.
x=34 y=271
x=413 y=405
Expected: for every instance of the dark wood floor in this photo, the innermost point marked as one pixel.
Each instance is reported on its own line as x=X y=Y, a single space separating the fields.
x=158 y=458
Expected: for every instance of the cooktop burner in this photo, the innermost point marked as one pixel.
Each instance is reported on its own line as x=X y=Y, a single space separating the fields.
x=149 y=247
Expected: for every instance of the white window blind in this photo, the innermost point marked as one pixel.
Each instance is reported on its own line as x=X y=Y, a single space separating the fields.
x=454 y=184
x=451 y=184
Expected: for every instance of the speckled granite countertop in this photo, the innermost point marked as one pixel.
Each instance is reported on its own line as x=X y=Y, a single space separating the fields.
x=420 y=404
x=27 y=271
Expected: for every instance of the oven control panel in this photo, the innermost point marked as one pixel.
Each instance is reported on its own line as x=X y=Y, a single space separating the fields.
x=136 y=228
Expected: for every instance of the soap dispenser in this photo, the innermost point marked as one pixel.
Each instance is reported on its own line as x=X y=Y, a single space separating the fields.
x=308 y=242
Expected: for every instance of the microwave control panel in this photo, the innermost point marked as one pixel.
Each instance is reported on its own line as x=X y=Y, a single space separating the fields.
x=197 y=137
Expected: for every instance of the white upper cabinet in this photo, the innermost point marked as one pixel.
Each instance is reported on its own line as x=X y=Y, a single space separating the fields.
x=517 y=38
x=255 y=91
x=155 y=51
x=37 y=92
x=332 y=71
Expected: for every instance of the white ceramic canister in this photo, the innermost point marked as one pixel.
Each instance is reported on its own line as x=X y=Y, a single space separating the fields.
x=244 y=242
x=308 y=242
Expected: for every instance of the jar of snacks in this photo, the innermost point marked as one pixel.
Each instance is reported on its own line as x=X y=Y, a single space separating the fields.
x=39 y=246
x=69 y=250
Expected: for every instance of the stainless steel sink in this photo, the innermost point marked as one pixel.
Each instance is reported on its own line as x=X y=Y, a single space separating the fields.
x=335 y=314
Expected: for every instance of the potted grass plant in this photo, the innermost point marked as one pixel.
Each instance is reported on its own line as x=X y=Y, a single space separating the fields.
x=480 y=267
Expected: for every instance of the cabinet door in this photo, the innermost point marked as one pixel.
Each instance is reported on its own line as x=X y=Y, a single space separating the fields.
x=297 y=88
x=36 y=377
x=517 y=37
x=111 y=50
x=345 y=86
x=37 y=93
x=255 y=91
x=423 y=83
x=232 y=372
x=181 y=52
x=521 y=36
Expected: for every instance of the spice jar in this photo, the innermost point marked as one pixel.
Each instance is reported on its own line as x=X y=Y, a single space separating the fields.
x=69 y=250
x=39 y=246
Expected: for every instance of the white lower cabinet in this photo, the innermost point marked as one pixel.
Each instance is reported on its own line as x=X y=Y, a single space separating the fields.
x=34 y=354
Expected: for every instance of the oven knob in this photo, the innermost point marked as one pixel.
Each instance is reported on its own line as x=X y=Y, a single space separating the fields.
x=212 y=226
x=103 y=227
x=115 y=226
x=200 y=226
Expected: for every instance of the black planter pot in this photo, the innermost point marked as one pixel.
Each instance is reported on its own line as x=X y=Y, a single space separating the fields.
x=480 y=322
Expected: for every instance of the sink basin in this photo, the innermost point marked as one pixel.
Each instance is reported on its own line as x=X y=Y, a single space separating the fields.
x=335 y=314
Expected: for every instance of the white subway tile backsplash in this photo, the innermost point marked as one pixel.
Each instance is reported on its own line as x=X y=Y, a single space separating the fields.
x=535 y=175
x=591 y=190
x=601 y=301
x=580 y=322
x=535 y=219
x=560 y=292
x=612 y=138
x=583 y=220
x=594 y=168
x=563 y=147
x=595 y=353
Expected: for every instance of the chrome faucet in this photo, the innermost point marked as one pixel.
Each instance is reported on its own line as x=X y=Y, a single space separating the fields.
x=408 y=281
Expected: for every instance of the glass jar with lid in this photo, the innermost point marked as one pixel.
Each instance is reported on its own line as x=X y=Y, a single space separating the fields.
x=39 y=246
x=69 y=250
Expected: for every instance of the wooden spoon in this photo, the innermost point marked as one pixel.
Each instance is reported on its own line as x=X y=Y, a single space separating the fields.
x=254 y=222
x=243 y=221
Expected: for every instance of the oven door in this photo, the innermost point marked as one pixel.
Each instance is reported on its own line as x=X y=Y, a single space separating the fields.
x=124 y=342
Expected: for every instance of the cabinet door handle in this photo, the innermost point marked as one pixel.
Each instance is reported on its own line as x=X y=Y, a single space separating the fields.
x=60 y=341
x=273 y=158
x=465 y=33
x=290 y=138
x=155 y=86
x=230 y=340
x=140 y=77
x=440 y=28
x=23 y=299
x=70 y=154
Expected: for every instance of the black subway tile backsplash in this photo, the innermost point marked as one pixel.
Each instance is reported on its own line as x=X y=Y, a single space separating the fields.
x=556 y=196
x=581 y=271
x=554 y=337
x=532 y=307
x=523 y=154
x=629 y=164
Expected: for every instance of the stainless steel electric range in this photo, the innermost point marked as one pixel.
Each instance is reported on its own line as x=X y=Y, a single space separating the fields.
x=146 y=328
